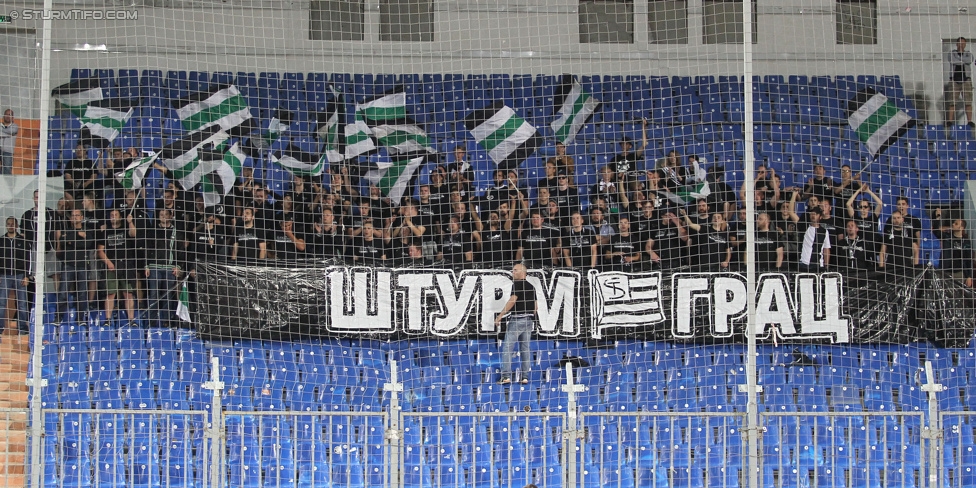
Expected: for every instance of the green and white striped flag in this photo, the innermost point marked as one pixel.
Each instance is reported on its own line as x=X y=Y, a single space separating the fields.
x=102 y=118
x=359 y=139
x=508 y=138
x=403 y=139
x=385 y=109
x=205 y=158
x=182 y=156
x=394 y=178
x=132 y=177
x=270 y=136
x=183 y=304
x=876 y=120
x=225 y=168
x=298 y=162
x=386 y=117
x=576 y=106
x=328 y=129
x=221 y=105
x=689 y=193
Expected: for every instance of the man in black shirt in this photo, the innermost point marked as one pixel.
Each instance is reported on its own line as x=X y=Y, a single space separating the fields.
x=170 y=202
x=624 y=249
x=288 y=242
x=14 y=252
x=28 y=224
x=264 y=211
x=855 y=254
x=523 y=307
x=79 y=173
x=579 y=244
x=721 y=196
x=249 y=245
x=539 y=246
x=327 y=239
x=565 y=195
x=957 y=252
x=456 y=250
x=164 y=247
x=76 y=243
x=768 y=247
x=116 y=250
x=626 y=161
x=899 y=251
x=366 y=249
x=911 y=225
x=819 y=186
x=710 y=248
x=496 y=243
x=666 y=242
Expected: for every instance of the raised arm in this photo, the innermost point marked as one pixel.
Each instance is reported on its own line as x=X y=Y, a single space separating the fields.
x=850 y=202
x=793 y=216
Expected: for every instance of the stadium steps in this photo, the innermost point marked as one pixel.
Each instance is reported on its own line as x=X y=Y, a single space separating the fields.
x=14 y=355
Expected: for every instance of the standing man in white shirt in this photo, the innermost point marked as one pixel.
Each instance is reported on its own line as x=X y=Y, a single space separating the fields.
x=8 y=139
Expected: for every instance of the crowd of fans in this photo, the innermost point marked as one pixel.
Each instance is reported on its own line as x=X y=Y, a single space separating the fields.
x=640 y=215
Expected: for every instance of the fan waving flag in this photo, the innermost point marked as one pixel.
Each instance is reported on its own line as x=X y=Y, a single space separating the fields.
x=508 y=138
x=576 y=108
x=102 y=118
x=221 y=105
x=131 y=178
x=876 y=120
x=298 y=162
x=393 y=179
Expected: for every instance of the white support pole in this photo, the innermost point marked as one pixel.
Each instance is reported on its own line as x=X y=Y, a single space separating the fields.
x=932 y=430
x=571 y=431
x=36 y=383
x=752 y=407
x=393 y=434
x=216 y=429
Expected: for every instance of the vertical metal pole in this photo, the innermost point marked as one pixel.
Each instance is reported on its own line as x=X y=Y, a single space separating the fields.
x=216 y=430
x=36 y=382
x=571 y=431
x=752 y=408
x=394 y=439
x=932 y=432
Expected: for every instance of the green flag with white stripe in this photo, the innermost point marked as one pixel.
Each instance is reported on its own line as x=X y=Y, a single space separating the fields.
x=102 y=118
x=385 y=109
x=394 y=178
x=329 y=130
x=508 y=138
x=576 y=106
x=387 y=120
x=183 y=304
x=301 y=163
x=359 y=139
x=877 y=122
x=131 y=178
x=221 y=105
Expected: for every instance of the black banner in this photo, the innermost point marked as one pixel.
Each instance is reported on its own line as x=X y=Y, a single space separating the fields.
x=337 y=300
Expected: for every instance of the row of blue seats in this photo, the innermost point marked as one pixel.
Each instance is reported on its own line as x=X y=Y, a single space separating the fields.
x=609 y=86
x=439 y=352
x=646 y=397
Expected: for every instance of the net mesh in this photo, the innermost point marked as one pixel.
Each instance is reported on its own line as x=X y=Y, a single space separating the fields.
x=280 y=233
